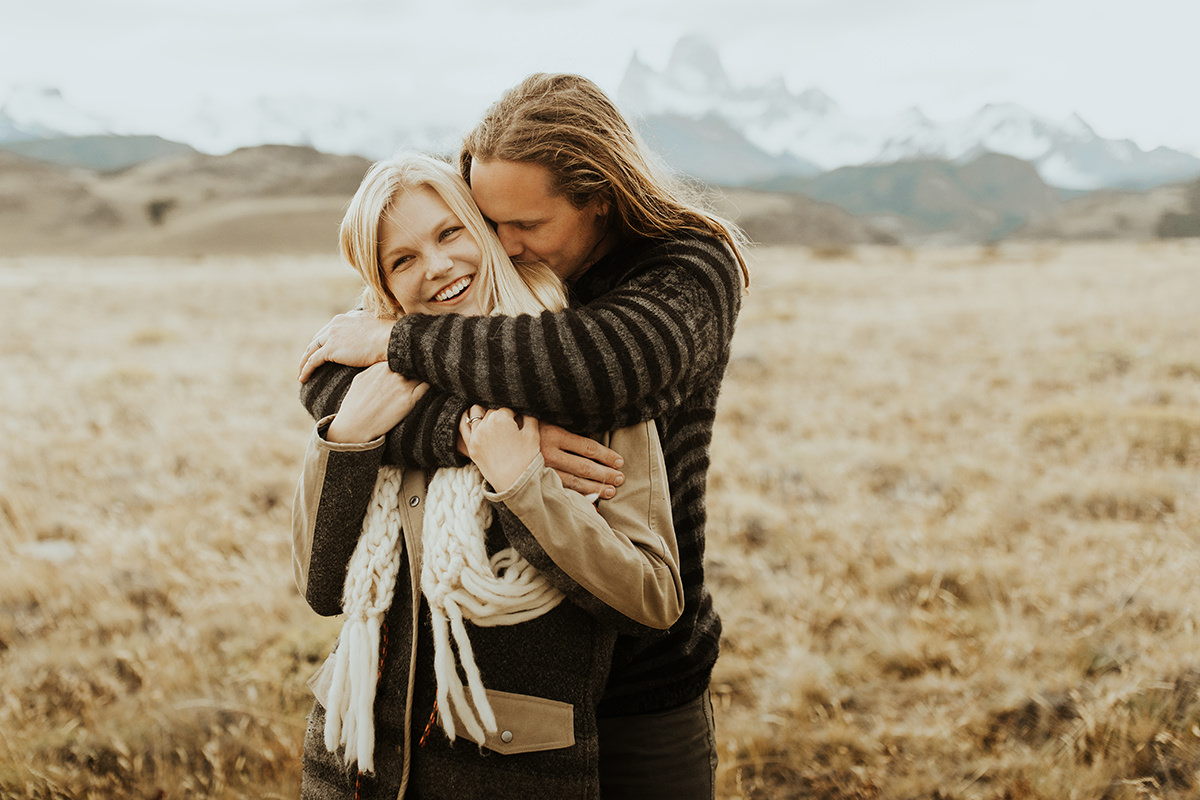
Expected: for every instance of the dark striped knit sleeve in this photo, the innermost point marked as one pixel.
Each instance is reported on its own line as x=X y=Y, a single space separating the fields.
x=626 y=357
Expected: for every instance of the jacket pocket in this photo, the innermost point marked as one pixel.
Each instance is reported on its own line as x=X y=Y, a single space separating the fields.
x=527 y=724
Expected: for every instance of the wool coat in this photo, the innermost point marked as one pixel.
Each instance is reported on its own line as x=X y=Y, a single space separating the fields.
x=616 y=562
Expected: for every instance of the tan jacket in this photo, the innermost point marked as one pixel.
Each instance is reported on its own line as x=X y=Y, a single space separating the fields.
x=616 y=560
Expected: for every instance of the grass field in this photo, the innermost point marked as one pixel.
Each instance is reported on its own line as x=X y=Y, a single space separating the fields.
x=954 y=519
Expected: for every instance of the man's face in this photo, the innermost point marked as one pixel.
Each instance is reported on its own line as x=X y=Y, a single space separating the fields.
x=535 y=224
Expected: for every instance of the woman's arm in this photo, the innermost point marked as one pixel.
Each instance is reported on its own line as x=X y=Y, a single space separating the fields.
x=340 y=467
x=426 y=438
x=378 y=400
x=618 y=560
x=331 y=501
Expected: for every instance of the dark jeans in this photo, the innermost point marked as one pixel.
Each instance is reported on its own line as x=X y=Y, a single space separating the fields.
x=670 y=754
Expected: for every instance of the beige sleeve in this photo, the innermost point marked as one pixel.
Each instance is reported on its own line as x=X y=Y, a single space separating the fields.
x=622 y=551
x=307 y=500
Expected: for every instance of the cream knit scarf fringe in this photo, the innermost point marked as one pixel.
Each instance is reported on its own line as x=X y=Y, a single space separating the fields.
x=459 y=582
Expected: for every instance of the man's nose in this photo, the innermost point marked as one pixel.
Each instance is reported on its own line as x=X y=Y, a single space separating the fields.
x=510 y=239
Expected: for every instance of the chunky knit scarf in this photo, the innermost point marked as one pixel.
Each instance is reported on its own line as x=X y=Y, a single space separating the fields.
x=460 y=582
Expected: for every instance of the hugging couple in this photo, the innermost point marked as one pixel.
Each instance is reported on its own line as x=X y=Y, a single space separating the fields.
x=504 y=491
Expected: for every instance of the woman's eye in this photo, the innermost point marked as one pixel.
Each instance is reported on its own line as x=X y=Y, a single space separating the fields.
x=449 y=232
x=400 y=263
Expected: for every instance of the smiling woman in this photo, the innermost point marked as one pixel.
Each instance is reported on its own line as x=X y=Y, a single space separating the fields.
x=490 y=575
x=429 y=260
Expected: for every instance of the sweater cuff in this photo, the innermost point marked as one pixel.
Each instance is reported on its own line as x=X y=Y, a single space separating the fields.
x=529 y=475
x=342 y=447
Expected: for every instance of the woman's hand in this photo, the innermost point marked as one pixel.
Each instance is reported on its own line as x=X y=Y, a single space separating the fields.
x=376 y=402
x=501 y=443
x=356 y=339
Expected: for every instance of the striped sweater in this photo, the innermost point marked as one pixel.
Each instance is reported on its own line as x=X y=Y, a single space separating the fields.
x=647 y=337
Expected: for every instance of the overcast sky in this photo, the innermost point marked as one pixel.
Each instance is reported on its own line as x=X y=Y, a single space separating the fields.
x=1128 y=68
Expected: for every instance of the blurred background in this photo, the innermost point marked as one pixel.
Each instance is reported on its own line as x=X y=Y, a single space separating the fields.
x=825 y=122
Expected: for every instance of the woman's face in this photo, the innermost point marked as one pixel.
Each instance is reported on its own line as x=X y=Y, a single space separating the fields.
x=429 y=261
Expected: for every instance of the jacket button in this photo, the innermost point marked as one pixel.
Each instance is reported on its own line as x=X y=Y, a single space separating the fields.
x=506 y=737
x=414 y=501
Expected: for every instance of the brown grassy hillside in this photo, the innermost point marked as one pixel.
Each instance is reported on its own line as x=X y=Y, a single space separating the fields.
x=954 y=516
x=253 y=201
x=276 y=199
x=1108 y=215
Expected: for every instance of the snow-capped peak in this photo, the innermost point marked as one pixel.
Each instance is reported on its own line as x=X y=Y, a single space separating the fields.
x=40 y=112
x=812 y=128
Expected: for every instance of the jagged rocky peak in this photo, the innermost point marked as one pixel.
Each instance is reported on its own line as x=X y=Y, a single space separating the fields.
x=695 y=66
x=634 y=91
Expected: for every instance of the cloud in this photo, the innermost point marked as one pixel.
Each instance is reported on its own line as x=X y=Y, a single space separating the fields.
x=1128 y=73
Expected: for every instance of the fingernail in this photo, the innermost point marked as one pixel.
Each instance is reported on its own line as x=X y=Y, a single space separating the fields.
x=620 y=463
x=609 y=491
x=619 y=479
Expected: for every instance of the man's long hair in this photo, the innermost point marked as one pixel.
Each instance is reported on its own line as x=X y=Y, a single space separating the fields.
x=567 y=125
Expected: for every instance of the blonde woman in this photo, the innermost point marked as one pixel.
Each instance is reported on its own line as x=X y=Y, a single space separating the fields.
x=482 y=602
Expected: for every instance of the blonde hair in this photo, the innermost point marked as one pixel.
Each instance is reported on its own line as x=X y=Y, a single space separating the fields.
x=508 y=288
x=566 y=124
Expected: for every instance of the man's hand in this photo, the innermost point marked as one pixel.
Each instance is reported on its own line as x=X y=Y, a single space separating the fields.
x=584 y=464
x=356 y=339
x=377 y=401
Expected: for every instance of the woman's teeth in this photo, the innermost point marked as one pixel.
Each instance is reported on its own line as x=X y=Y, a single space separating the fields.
x=453 y=290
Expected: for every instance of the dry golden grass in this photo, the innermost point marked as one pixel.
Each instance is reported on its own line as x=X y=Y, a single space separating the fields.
x=953 y=519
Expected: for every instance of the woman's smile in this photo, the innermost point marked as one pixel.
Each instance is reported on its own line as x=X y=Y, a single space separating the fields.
x=455 y=290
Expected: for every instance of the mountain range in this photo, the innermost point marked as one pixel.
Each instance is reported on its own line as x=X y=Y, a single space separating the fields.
x=274 y=199
x=792 y=166
x=35 y=113
x=691 y=112
x=770 y=131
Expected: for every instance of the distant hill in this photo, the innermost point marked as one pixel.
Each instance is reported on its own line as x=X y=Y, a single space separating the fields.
x=713 y=151
x=278 y=199
x=1185 y=222
x=1166 y=211
x=46 y=206
x=986 y=198
x=273 y=199
x=263 y=171
x=104 y=153
x=773 y=218
x=287 y=199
